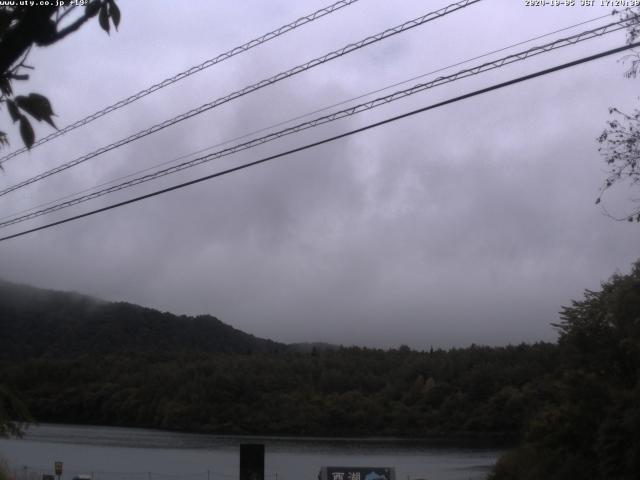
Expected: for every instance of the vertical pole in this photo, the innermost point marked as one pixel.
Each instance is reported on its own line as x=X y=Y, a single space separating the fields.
x=208 y=475
x=149 y=474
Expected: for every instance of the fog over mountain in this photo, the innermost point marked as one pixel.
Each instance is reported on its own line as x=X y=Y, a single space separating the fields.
x=471 y=223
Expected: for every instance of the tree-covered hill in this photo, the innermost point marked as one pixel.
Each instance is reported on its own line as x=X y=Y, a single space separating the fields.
x=37 y=323
x=587 y=425
x=75 y=359
x=475 y=392
x=574 y=406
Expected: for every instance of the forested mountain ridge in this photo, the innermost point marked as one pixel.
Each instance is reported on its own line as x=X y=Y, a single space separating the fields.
x=75 y=359
x=37 y=323
x=475 y=392
x=574 y=406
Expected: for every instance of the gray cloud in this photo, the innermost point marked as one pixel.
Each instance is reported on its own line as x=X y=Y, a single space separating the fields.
x=471 y=223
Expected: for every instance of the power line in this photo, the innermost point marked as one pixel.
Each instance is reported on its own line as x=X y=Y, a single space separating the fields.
x=330 y=139
x=485 y=67
x=252 y=88
x=186 y=73
x=299 y=117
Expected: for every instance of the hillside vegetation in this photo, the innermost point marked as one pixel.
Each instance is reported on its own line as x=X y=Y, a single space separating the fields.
x=573 y=408
x=588 y=424
x=36 y=323
x=79 y=360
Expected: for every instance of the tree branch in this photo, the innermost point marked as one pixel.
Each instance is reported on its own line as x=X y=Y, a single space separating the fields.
x=17 y=40
x=68 y=29
x=65 y=13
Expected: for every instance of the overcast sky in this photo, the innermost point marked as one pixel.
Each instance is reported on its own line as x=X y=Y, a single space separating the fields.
x=471 y=223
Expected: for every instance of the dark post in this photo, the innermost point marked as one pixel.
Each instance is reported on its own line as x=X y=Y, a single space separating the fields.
x=252 y=461
x=57 y=466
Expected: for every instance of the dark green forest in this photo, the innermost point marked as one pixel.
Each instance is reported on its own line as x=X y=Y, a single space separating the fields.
x=75 y=359
x=351 y=391
x=37 y=323
x=571 y=410
x=588 y=425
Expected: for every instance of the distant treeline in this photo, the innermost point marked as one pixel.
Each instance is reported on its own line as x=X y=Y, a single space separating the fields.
x=75 y=359
x=472 y=392
x=572 y=407
x=37 y=323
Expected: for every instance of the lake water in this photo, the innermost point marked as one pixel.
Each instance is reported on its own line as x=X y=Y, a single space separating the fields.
x=137 y=454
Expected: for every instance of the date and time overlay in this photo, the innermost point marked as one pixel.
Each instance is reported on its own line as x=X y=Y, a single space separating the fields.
x=526 y=3
x=582 y=3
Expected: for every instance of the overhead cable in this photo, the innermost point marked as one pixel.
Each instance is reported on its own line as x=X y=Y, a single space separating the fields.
x=329 y=139
x=485 y=67
x=252 y=88
x=186 y=73
x=293 y=119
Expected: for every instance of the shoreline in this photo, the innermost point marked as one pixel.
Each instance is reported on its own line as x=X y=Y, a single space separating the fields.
x=446 y=442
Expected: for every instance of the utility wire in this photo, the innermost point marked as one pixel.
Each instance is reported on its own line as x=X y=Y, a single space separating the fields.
x=485 y=67
x=252 y=88
x=299 y=117
x=330 y=139
x=182 y=75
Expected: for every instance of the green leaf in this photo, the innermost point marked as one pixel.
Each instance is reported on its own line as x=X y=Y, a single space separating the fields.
x=104 y=18
x=45 y=34
x=92 y=9
x=5 y=20
x=114 y=13
x=13 y=110
x=26 y=132
x=5 y=85
x=38 y=106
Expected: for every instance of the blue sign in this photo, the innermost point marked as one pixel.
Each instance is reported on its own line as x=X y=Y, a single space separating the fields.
x=357 y=473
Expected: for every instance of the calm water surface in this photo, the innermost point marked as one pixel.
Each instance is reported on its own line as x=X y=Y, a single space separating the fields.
x=136 y=454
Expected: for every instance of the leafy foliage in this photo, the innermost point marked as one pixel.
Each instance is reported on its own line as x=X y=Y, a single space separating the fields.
x=619 y=141
x=21 y=28
x=588 y=424
x=620 y=146
x=13 y=414
x=4 y=470
x=348 y=391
